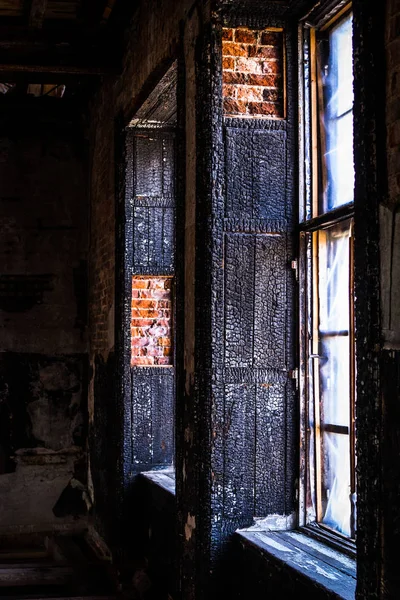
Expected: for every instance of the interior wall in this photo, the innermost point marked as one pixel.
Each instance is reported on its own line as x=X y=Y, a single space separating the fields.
x=390 y=287
x=152 y=43
x=43 y=306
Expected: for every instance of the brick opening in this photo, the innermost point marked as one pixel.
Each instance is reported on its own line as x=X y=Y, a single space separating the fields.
x=253 y=72
x=151 y=323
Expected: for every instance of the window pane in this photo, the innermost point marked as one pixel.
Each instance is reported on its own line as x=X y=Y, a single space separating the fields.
x=333 y=273
x=331 y=363
x=336 y=118
x=335 y=381
x=336 y=497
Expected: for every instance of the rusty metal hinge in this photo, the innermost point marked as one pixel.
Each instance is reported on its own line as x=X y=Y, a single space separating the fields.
x=295 y=267
x=294 y=374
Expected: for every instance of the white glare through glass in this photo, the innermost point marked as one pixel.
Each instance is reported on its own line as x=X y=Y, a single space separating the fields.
x=334 y=375
x=337 y=119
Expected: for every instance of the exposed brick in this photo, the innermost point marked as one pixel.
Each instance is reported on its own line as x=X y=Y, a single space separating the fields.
x=271 y=95
x=249 y=65
x=228 y=63
x=227 y=34
x=151 y=321
x=272 y=67
x=140 y=284
x=230 y=91
x=253 y=63
x=137 y=322
x=263 y=108
x=271 y=38
x=144 y=303
x=234 y=107
x=265 y=52
x=231 y=49
x=252 y=79
x=145 y=361
x=247 y=36
x=250 y=93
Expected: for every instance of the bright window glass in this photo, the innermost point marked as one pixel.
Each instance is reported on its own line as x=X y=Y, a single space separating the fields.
x=335 y=81
x=333 y=377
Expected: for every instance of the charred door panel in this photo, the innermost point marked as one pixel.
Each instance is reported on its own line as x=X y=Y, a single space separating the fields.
x=258 y=341
x=153 y=216
x=256 y=163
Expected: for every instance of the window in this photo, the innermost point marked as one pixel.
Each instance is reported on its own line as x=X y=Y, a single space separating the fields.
x=327 y=303
x=149 y=278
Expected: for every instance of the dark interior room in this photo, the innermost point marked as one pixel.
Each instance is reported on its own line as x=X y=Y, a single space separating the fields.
x=200 y=337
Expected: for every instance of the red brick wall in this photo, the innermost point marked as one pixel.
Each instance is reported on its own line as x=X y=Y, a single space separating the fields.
x=151 y=339
x=253 y=72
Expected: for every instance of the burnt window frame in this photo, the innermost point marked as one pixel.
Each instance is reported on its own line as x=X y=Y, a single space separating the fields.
x=150 y=112
x=312 y=219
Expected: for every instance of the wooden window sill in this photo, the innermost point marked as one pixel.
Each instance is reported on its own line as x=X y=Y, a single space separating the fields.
x=165 y=478
x=314 y=561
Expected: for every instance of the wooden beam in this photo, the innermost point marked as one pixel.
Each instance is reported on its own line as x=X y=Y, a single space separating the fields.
x=37 y=12
x=11 y=72
x=16 y=576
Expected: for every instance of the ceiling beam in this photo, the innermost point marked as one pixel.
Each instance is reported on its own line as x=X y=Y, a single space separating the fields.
x=13 y=72
x=36 y=14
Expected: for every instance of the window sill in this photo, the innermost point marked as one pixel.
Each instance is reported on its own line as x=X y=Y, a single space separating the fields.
x=321 y=565
x=164 y=478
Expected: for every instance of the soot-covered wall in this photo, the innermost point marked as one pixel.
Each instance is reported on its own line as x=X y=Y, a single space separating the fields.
x=43 y=370
x=153 y=40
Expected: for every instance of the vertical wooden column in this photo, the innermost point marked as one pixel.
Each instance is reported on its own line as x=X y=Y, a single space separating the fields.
x=236 y=444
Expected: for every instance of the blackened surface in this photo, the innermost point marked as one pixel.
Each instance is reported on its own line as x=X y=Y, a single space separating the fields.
x=19 y=293
x=256 y=163
x=152 y=523
x=244 y=238
x=198 y=445
x=152 y=417
x=369 y=85
x=43 y=402
x=154 y=203
x=70 y=502
x=145 y=244
x=103 y=448
x=81 y=295
x=255 y=301
x=180 y=313
x=43 y=234
x=153 y=253
x=123 y=287
x=256 y=575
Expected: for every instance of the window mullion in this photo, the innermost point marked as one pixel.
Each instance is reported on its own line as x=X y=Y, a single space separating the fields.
x=352 y=382
x=316 y=382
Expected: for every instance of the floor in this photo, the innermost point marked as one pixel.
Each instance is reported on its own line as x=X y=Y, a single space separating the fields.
x=53 y=566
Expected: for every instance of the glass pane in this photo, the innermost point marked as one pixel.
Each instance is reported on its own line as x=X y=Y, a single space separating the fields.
x=333 y=375
x=336 y=495
x=335 y=381
x=336 y=116
x=333 y=273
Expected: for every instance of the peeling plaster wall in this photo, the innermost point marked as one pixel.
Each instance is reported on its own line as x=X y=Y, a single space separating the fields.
x=43 y=378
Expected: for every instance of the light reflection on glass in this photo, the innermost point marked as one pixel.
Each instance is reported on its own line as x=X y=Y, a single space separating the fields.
x=334 y=374
x=336 y=118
